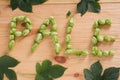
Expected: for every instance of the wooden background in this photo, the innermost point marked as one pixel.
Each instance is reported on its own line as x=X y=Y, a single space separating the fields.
x=81 y=37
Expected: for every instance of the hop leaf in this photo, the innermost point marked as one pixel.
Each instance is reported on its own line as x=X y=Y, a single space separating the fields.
x=95 y=72
x=47 y=71
x=92 y=5
x=5 y=63
x=25 y=5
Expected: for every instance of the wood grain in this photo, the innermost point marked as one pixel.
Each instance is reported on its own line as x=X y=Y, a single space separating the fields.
x=81 y=38
x=63 y=1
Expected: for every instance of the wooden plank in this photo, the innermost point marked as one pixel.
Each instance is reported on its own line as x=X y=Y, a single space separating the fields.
x=81 y=39
x=76 y=1
x=2 y=2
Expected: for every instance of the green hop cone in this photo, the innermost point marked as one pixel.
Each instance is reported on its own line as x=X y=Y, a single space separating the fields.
x=13 y=31
x=46 y=22
x=68 y=38
x=99 y=53
x=95 y=25
x=34 y=46
x=97 y=32
x=101 y=22
x=18 y=33
x=107 y=38
x=11 y=44
x=29 y=26
x=94 y=53
x=94 y=40
x=111 y=52
x=46 y=32
x=54 y=27
x=69 y=30
x=105 y=53
x=100 y=38
x=69 y=46
x=12 y=25
x=84 y=52
x=68 y=51
x=113 y=38
x=20 y=18
x=57 y=48
x=12 y=37
x=27 y=20
x=71 y=22
x=55 y=39
x=53 y=33
x=76 y=52
x=94 y=50
x=25 y=32
x=42 y=28
x=52 y=21
x=108 y=22
x=38 y=38
x=14 y=19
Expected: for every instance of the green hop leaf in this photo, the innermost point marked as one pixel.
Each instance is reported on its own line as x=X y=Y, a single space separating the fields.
x=25 y=6
x=56 y=71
